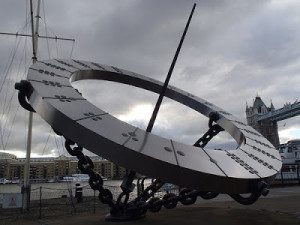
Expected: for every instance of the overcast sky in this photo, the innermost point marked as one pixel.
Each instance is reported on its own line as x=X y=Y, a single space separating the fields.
x=234 y=50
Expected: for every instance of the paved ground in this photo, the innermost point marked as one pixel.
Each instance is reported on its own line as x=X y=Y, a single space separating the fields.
x=281 y=207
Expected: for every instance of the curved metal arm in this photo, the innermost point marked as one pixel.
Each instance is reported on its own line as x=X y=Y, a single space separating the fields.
x=25 y=90
x=261 y=190
x=246 y=200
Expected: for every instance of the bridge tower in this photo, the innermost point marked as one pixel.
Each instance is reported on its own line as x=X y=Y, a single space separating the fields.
x=267 y=127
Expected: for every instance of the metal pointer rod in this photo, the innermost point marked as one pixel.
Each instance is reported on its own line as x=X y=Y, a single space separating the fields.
x=164 y=88
x=132 y=173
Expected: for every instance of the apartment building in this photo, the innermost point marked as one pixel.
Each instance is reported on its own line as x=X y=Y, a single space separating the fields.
x=54 y=168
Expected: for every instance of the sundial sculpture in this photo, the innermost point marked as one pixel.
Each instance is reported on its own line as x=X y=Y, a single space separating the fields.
x=248 y=169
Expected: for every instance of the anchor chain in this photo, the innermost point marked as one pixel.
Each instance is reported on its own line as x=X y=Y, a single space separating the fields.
x=146 y=200
x=86 y=166
x=212 y=131
x=142 y=203
x=261 y=189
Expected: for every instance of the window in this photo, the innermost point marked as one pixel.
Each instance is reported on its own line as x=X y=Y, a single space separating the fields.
x=259 y=109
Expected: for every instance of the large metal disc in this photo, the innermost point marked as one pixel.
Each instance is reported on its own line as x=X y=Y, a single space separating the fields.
x=69 y=113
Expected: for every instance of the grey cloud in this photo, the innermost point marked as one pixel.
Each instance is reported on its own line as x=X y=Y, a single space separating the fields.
x=233 y=50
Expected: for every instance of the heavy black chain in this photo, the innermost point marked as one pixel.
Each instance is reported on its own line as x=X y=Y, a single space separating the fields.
x=143 y=202
x=86 y=166
x=212 y=131
x=146 y=200
x=261 y=187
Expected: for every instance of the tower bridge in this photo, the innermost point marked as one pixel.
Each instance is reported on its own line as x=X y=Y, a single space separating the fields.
x=264 y=119
x=287 y=111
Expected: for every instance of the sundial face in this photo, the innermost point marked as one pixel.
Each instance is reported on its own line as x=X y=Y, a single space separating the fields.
x=69 y=113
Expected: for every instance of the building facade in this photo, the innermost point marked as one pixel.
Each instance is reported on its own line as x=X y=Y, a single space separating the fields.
x=5 y=160
x=268 y=128
x=46 y=169
x=290 y=152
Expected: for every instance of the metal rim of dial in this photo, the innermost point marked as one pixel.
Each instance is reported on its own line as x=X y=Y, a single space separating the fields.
x=63 y=107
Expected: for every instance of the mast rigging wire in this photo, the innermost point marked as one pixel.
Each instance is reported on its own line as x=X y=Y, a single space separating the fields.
x=9 y=133
x=7 y=106
x=17 y=78
x=54 y=136
x=49 y=133
x=46 y=30
x=6 y=83
x=12 y=57
x=7 y=99
x=71 y=54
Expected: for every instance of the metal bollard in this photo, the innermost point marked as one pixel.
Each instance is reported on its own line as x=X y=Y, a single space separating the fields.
x=78 y=193
x=40 y=205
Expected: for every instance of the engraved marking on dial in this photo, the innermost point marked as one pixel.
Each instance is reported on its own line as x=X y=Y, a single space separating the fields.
x=117 y=69
x=98 y=66
x=259 y=142
x=89 y=115
x=242 y=163
x=52 y=74
x=55 y=66
x=82 y=64
x=66 y=64
x=269 y=166
x=64 y=98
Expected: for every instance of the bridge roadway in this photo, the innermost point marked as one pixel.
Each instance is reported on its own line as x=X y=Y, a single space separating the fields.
x=281 y=206
x=288 y=111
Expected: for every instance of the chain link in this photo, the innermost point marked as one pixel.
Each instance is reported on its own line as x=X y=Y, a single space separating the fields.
x=155 y=204
x=86 y=166
x=142 y=203
x=146 y=200
x=212 y=131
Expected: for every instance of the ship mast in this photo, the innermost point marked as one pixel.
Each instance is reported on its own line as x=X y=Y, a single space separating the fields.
x=34 y=37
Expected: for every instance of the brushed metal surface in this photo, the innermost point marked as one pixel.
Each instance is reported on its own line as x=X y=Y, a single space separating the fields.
x=63 y=107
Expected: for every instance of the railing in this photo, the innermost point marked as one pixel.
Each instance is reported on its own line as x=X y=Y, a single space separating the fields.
x=46 y=202
x=289 y=174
